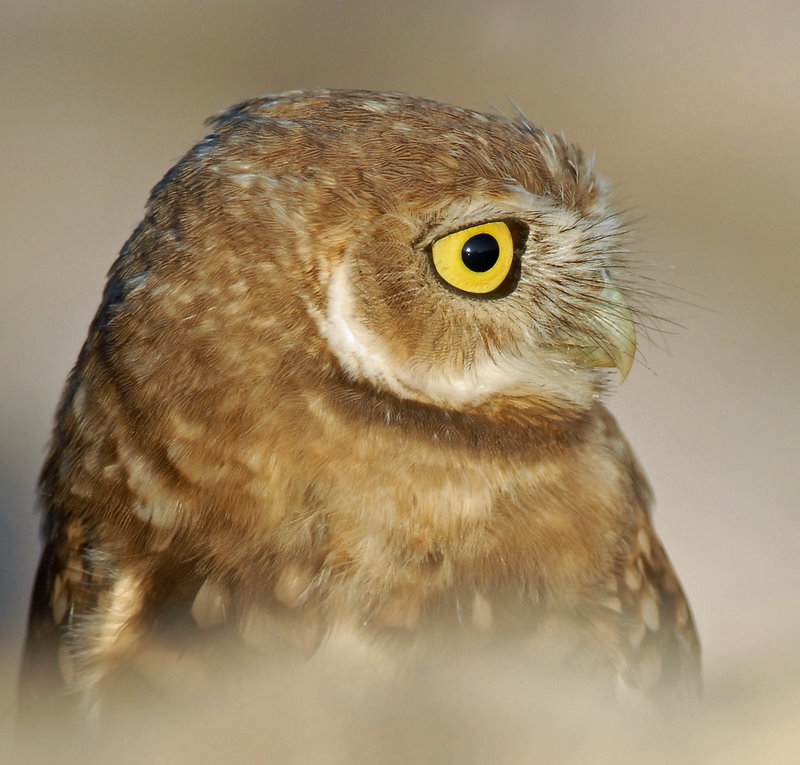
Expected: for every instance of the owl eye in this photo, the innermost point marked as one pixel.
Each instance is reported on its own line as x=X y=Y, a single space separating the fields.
x=476 y=259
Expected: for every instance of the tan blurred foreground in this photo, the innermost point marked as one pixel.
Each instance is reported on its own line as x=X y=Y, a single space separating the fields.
x=471 y=713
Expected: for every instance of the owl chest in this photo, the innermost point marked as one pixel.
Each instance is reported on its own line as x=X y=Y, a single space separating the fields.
x=386 y=532
x=380 y=512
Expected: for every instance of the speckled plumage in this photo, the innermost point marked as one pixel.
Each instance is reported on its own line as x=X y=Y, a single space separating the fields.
x=285 y=428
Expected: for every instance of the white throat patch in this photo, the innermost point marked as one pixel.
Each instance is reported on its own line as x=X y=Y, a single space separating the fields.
x=366 y=357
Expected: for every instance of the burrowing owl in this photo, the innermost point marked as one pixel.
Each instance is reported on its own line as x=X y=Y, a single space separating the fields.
x=343 y=392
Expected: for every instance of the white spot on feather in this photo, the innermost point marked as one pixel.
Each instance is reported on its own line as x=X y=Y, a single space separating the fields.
x=649 y=610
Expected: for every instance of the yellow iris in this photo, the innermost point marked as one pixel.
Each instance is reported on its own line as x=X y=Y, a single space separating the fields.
x=476 y=259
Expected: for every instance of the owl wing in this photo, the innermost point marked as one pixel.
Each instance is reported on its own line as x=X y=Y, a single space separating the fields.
x=94 y=612
x=637 y=615
x=661 y=646
x=62 y=590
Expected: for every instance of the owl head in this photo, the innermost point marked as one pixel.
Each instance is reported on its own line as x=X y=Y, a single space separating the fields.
x=434 y=255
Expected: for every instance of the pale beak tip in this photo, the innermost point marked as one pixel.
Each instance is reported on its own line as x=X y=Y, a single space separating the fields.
x=625 y=364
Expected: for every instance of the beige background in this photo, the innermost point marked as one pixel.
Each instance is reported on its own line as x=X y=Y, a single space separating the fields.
x=693 y=110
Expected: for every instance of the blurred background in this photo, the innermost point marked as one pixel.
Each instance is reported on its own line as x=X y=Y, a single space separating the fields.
x=693 y=111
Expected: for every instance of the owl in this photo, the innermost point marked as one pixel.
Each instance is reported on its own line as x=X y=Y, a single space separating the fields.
x=343 y=398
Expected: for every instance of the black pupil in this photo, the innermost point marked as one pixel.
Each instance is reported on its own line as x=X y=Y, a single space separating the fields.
x=480 y=252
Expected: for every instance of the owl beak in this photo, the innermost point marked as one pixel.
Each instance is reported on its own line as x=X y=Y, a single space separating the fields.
x=609 y=338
